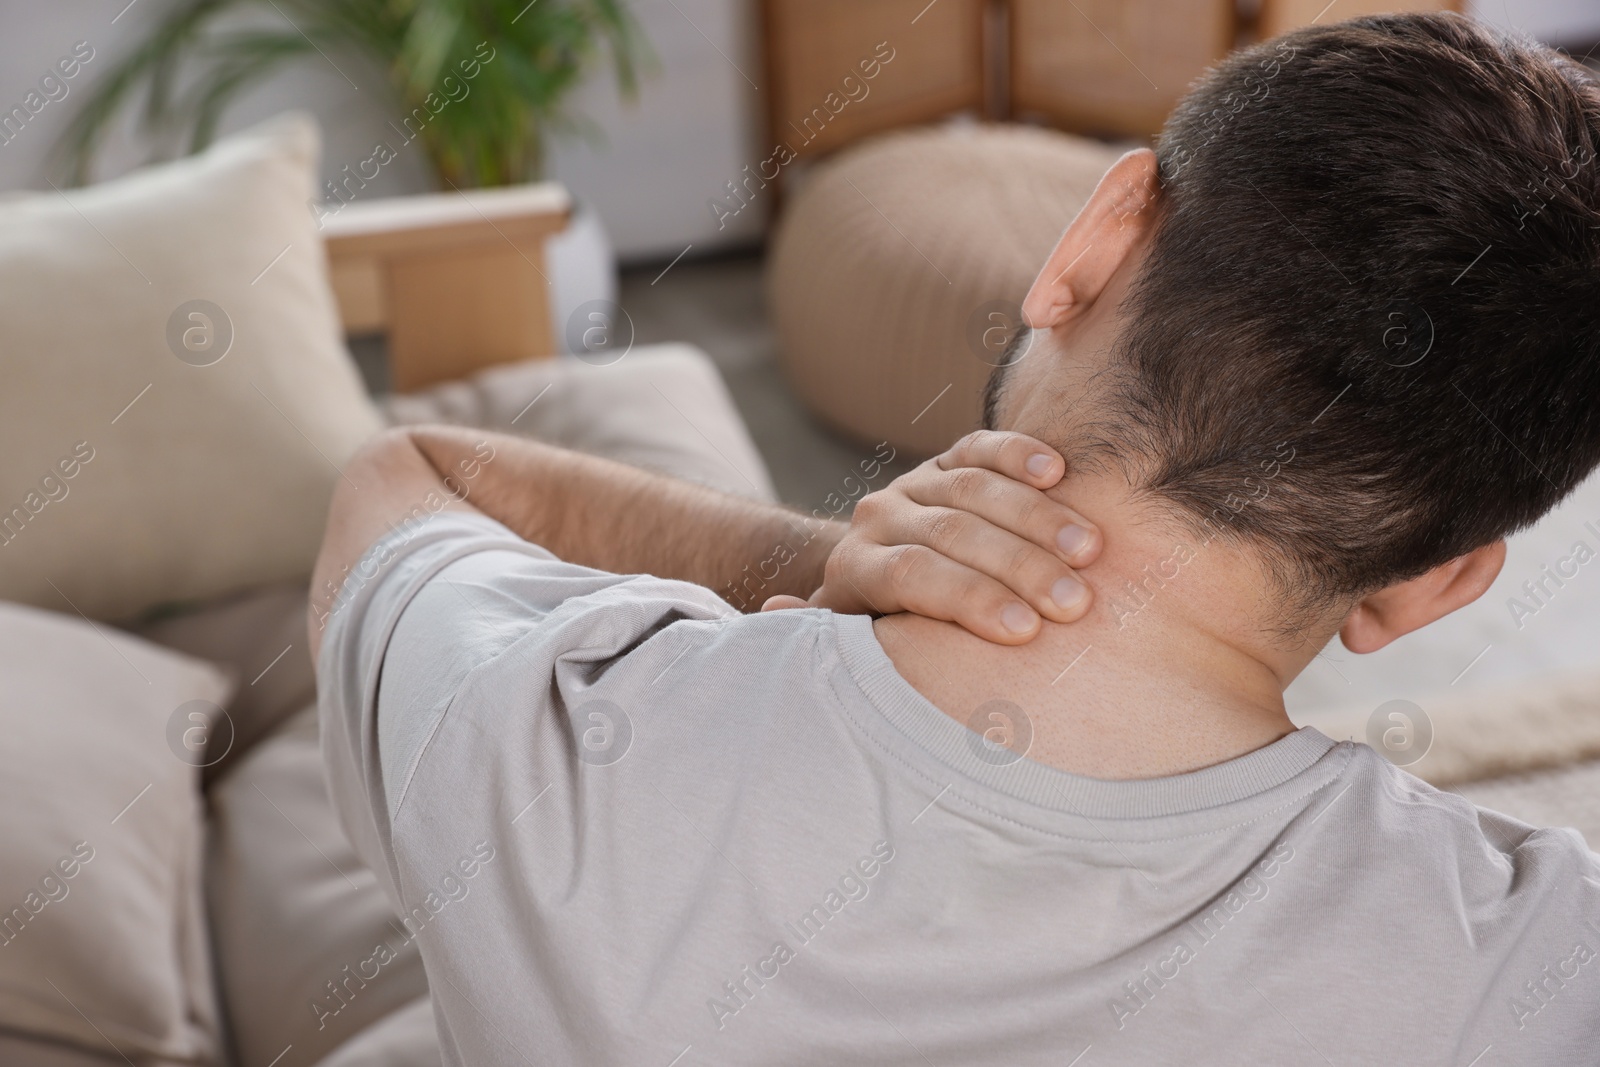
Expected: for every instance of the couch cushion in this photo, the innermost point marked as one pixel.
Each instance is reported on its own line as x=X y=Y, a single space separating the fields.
x=309 y=951
x=662 y=407
x=406 y=1038
x=178 y=394
x=258 y=636
x=21 y=1050
x=102 y=936
x=1562 y=796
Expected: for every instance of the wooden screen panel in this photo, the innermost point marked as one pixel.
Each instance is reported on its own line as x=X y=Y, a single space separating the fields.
x=1280 y=16
x=929 y=62
x=1112 y=66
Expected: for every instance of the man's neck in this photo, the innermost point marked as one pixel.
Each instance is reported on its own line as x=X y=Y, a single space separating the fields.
x=1169 y=672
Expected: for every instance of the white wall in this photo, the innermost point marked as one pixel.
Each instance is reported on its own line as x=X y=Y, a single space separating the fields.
x=650 y=174
x=693 y=128
x=659 y=160
x=1558 y=22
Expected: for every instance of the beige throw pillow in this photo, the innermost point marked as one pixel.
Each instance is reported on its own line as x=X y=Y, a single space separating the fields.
x=102 y=929
x=177 y=397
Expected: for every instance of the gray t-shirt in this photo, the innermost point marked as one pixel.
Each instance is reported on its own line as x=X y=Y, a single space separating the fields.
x=628 y=826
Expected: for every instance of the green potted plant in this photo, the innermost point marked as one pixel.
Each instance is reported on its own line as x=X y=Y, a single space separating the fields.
x=525 y=57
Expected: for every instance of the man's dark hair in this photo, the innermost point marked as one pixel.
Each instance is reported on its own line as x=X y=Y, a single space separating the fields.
x=1378 y=252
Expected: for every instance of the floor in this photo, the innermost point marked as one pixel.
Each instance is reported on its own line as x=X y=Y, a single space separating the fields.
x=717 y=304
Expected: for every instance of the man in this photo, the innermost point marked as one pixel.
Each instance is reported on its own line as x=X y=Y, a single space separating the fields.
x=1308 y=364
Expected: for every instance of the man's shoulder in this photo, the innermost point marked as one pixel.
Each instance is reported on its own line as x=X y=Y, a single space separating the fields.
x=668 y=644
x=726 y=653
x=1400 y=829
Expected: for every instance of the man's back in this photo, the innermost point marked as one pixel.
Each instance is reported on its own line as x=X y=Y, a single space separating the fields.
x=629 y=826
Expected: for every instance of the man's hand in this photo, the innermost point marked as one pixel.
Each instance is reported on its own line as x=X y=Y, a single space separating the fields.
x=968 y=537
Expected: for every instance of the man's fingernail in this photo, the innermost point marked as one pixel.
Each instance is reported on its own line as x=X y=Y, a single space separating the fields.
x=1067 y=592
x=1017 y=618
x=1073 y=539
x=1039 y=464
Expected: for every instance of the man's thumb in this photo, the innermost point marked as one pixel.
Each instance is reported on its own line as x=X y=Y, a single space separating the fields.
x=782 y=601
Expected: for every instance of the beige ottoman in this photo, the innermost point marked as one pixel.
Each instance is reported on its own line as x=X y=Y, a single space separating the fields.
x=897 y=269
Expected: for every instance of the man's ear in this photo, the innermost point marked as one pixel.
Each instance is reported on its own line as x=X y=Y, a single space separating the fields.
x=1398 y=609
x=1105 y=233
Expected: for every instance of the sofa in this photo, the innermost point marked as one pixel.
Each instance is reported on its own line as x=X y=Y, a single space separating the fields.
x=178 y=403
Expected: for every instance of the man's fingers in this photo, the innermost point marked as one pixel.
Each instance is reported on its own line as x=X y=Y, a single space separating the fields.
x=926 y=583
x=1030 y=572
x=1016 y=455
x=1003 y=502
x=971 y=538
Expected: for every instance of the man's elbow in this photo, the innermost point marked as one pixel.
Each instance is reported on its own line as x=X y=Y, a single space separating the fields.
x=382 y=471
x=379 y=460
x=369 y=497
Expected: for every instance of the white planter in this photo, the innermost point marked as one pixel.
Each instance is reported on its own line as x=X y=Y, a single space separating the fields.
x=582 y=268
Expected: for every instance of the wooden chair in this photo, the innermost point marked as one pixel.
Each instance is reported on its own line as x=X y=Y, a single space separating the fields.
x=456 y=281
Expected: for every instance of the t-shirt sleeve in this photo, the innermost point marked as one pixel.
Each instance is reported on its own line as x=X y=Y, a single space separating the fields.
x=427 y=608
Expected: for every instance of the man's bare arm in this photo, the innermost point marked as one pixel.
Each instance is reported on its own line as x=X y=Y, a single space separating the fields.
x=607 y=515
x=970 y=536
x=590 y=511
